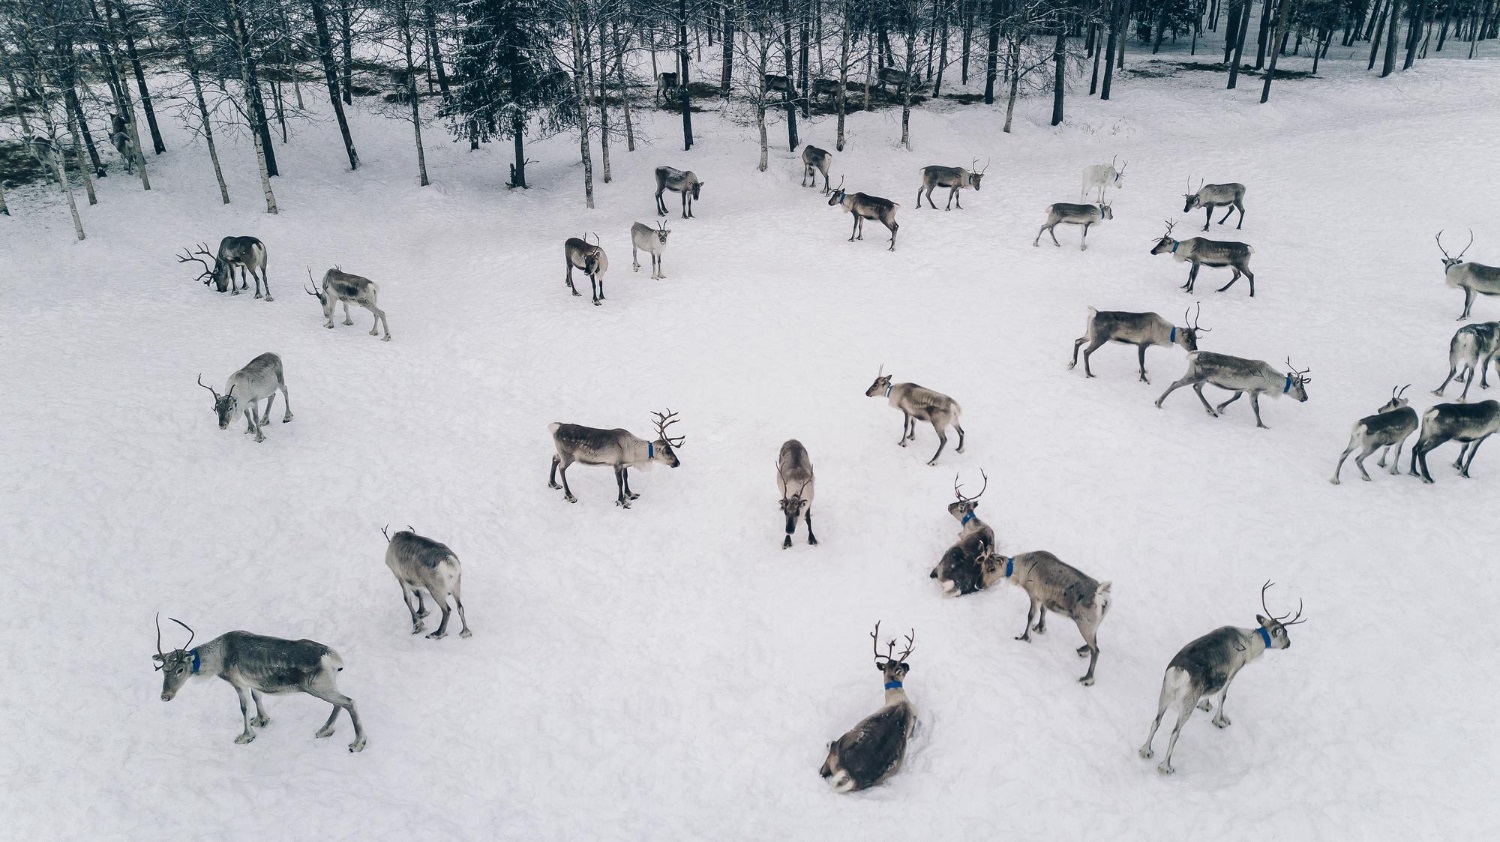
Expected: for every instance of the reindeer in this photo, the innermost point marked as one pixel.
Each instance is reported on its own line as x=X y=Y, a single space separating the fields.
x=650 y=240
x=1139 y=329
x=259 y=379
x=119 y=138
x=1051 y=584
x=1206 y=667
x=892 y=76
x=1213 y=196
x=617 y=448
x=1103 y=177
x=247 y=253
x=1472 y=278
x=678 y=181
x=773 y=82
x=814 y=161
x=1239 y=375
x=1390 y=425
x=1472 y=348
x=254 y=664
x=919 y=404
x=1202 y=252
x=954 y=178
x=1469 y=423
x=873 y=750
x=591 y=259
x=666 y=87
x=424 y=564
x=959 y=571
x=341 y=286
x=794 y=470
x=1071 y=214
x=864 y=207
x=826 y=88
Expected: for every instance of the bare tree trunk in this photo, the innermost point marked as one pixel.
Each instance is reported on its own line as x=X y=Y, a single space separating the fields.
x=937 y=86
x=1124 y=33
x=583 y=112
x=237 y=25
x=1379 y=33
x=791 y=76
x=437 y=50
x=802 y=55
x=1241 y=26
x=1109 y=49
x=1278 y=38
x=1390 y=40
x=992 y=56
x=624 y=92
x=869 y=70
x=127 y=29
x=1015 y=82
x=683 y=94
x=906 y=86
x=346 y=38
x=843 y=92
x=4 y=208
x=404 y=24
x=190 y=58
x=83 y=170
x=105 y=32
x=726 y=75
x=330 y=72
x=588 y=63
x=1059 y=74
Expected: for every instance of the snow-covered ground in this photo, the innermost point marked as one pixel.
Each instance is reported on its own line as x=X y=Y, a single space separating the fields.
x=669 y=672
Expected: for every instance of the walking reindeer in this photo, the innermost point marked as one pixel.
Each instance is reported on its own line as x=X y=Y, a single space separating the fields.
x=340 y=286
x=1066 y=213
x=422 y=564
x=617 y=448
x=1213 y=253
x=677 y=181
x=920 y=404
x=1390 y=425
x=864 y=206
x=1470 y=352
x=1469 y=423
x=666 y=86
x=1101 y=177
x=953 y=178
x=814 y=161
x=1205 y=668
x=794 y=476
x=1139 y=329
x=1213 y=196
x=260 y=379
x=653 y=241
x=579 y=254
x=254 y=664
x=960 y=570
x=247 y=253
x=873 y=750
x=1054 y=585
x=1239 y=375
x=1473 y=278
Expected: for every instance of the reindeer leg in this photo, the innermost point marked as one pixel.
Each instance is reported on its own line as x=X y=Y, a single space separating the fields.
x=1242 y=215
x=421 y=608
x=621 y=501
x=1452 y=370
x=942 y=435
x=1192 y=277
x=635 y=260
x=261 y=720
x=1419 y=459
x=1078 y=343
x=1041 y=620
x=1250 y=276
x=855 y=229
x=1359 y=461
x=1184 y=711
x=1229 y=211
x=462 y=620
x=567 y=492
x=625 y=474
x=348 y=320
x=1052 y=232
x=1468 y=302
x=552 y=477
x=1340 y=466
x=905 y=423
x=380 y=321
x=1232 y=399
x=1255 y=405
x=1141 y=354
x=661 y=206
x=1091 y=648
x=1473 y=449
x=247 y=735
x=1083 y=245
x=568 y=280
x=807 y=516
x=286 y=398
x=894 y=226
x=408 y=597
x=960 y=429
x=265 y=417
x=1174 y=387
x=442 y=629
x=1030 y=615
x=324 y=689
x=1208 y=216
x=1221 y=720
x=1231 y=280
x=1145 y=751
x=957 y=200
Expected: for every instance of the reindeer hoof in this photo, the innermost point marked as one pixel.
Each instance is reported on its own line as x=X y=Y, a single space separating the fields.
x=1220 y=722
x=1146 y=753
x=257 y=295
x=329 y=325
x=418 y=628
x=324 y=732
x=261 y=721
x=812 y=541
x=357 y=745
x=1164 y=768
x=465 y=633
x=246 y=737
x=437 y=635
x=570 y=498
x=786 y=544
x=1087 y=681
x=385 y=339
x=348 y=322
x=269 y=298
x=423 y=612
x=1024 y=638
x=632 y=496
x=1334 y=481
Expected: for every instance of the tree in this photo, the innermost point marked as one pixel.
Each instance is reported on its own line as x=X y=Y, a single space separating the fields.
x=331 y=75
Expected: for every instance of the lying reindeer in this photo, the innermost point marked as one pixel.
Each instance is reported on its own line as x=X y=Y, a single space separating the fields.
x=794 y=470
x=1139 y=329
x=1390 y=425
x=953 y=178
x=1213 y=253
x=617 y=448
x=341 y=286
x=873 y=750
x=578 y=254
x=960 y=570
x=1213 y=196
x=863 y=207
x=920 y=404
x=814 y=161
x=260 y=379
x=422 y=564
x=1469 y=423
x=1066 y=213
x=1472 y=349
x=1473 y=278
x=1239 y=375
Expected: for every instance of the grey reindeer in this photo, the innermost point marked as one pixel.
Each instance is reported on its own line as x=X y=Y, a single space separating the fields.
x=686 y=183
x=260 y=379
x=1066 y=213
x=1205 y=668
x=422 y=564
x=1101 y=177
x=653 y=241
x=960 y=570
x=1239 y=375
x=920 y=404
x=872 y=751
x=1473 y=278
x=579 y=254
x=794 y=478
x=1212 y=253
x=340 y=286
x=953 y=178
x=254 y=664
x=1391 y=425
x=1470 y=351
x=246 y=253
x=814 y=161
x=617 y=448
x=1213 y=196
x=864 y=206
x=1468 y=423
x=1053 y=585
x=1139 y=329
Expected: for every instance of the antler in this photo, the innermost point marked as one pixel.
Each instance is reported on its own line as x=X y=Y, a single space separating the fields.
x=1121 y=170
x=1301 y=374
x=1170 y=226
x=911 y=643
x=312 y=292
x=1466 y=245
x=1396 y=394
x=986 y=166
x=1439 y=239
x=875 y=644
x=161 y=656
x=665 y=421
x=187 y=257
x=960 y=494
x=1283 y=618
x=208 y=387
x=841 y=185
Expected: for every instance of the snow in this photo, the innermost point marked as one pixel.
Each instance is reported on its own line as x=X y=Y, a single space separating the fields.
x=669 y=672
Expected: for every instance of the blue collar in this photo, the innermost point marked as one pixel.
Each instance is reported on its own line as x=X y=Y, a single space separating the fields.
x=893 y=685
x=1173 y=337
x=1288 y=386
x=888 y=388
x=1264 y=635
x=968 y=517
x=650 y=450
x=196 y=662
x=1175 y=244
x=1010 y=566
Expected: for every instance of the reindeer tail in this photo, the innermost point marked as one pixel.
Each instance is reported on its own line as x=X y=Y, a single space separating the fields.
x=554 y=427
x=1103 y=598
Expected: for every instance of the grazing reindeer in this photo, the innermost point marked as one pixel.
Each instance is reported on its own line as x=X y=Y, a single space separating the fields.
x=1052 y=584
x=338 y=286
x=1214 y=253
x=617 y=448
x=1472 y=348
x=892 y=76
x=1067 y=213
x=954 y=178
x=794 y=470
x=1472 y=278
x=959 y=571
x=1470 y=423
x=592 y=260
x=666 y=86
x=1102 y=177
x=1213 y=196
x=247 y=253
x=773 y=82
x=1239 y=375
x=814 y=161
x=650 y=240
x=254 y=664
x=873 y=750
x=422 y=564
x=864 y=207
x=825 y=88
x=678 y=181
x=920 y=404
x=1390 y=425
x=261 y=378
x=1139 y=329
x=1206 y=667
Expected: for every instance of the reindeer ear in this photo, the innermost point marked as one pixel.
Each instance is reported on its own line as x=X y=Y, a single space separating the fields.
x=879 y=666
x=1261 y=620
x=158 y=658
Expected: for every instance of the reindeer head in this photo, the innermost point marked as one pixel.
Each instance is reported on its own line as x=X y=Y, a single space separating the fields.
x=963 y=509
x=974 y=176
x=176 y=666
x=837 y=197
x=1165 y=243
x=1397 y=401
x=697 y=186
x=893 y=666
x=662 y=232
x=1449 y=261
x=1105 y=211
x=319 y=294
x=1193 y=200
x=881 y=385
x=1187 y=336
x=1296 y=382
x=1276 y=626
x=791 y=504
x=225 y=405
x=1119 y=176
x=664 y=446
